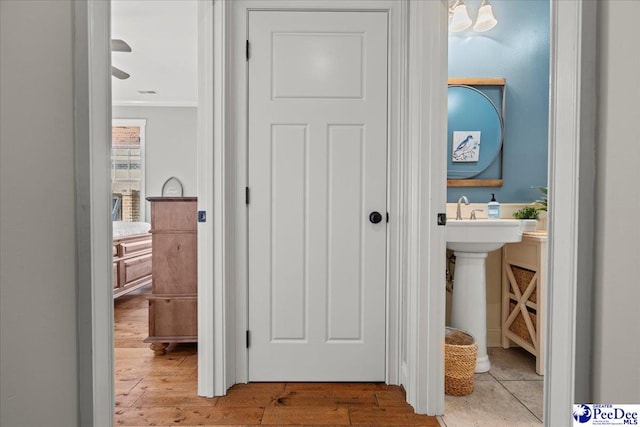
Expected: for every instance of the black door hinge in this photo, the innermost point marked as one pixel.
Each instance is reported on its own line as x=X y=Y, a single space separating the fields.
x=247 y=50
x=248 y=338
x=246 y=195
x=387 y=216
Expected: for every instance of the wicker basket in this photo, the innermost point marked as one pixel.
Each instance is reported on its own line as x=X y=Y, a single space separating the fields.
x=519 y=325
x=460 y=353
x=523 y=278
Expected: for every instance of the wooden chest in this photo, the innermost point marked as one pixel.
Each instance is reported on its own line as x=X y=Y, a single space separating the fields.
x=173 y=303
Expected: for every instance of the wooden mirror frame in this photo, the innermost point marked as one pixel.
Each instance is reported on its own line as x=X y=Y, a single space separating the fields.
x=481 y=81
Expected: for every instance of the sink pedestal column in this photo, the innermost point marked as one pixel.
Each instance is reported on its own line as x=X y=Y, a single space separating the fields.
x=469 y=302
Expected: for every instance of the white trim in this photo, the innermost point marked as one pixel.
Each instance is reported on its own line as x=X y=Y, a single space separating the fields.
x=142 y=123
x=92 y=111
x=235 y=138
x=426 y=192
x=571 y=210
x=193 y=104
x=397 y=70
x=208 y=177
x=116 y=121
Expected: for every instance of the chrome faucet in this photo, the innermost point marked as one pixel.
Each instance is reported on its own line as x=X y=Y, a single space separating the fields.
x=462 y=199
x=473 y=213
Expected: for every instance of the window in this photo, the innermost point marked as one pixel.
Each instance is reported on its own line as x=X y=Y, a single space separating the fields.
x=127 y=170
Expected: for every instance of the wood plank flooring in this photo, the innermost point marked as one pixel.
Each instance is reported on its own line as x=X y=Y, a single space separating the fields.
x=162 y=390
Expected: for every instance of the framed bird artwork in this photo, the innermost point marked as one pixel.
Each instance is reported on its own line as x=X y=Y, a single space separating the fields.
x=466 y=146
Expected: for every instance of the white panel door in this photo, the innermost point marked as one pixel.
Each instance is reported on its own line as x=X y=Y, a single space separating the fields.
x=317 y=170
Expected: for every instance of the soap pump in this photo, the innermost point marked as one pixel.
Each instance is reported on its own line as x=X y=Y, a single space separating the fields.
x=493 y=207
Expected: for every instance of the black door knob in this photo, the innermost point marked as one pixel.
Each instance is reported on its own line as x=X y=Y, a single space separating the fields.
x=375 y=217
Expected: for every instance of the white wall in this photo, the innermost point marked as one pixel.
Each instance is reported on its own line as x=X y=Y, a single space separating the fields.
x=170 y=146
x=38 y=363
x=616 y=368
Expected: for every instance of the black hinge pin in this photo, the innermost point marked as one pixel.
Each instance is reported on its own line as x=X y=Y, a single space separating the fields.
x=248 y=338
x=247 y=50
x=246 y=195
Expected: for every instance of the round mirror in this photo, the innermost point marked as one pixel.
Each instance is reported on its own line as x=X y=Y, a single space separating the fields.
x=475 y=130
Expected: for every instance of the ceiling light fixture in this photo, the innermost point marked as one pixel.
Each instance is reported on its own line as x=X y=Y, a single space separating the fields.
x=460 y=21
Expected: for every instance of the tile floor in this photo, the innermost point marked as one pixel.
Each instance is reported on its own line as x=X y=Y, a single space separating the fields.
x=510 y=395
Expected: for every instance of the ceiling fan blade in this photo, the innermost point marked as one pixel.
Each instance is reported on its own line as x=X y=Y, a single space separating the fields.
x=118 y=45
x=118 y=73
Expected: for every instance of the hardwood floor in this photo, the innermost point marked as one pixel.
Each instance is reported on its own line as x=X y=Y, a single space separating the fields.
x=162 y=390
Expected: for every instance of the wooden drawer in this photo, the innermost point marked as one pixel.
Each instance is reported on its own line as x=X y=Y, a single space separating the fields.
x=136 y=268
x=174 y=216
x=130 y=248
x=175 y=263
x=173 y=318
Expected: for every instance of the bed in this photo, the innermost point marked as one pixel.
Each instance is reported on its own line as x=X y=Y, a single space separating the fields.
x=131 y=256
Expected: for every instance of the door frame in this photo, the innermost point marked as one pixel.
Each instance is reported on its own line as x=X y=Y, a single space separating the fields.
x=572 y=99
x=404 y=170
x=571 y=175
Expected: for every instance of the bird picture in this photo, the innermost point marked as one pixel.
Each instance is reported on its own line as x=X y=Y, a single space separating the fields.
x=465 y=146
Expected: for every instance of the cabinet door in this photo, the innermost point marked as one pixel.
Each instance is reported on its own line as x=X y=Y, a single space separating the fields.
x=175 y=263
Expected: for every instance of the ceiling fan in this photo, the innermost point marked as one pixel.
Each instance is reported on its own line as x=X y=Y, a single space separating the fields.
x=118 y=45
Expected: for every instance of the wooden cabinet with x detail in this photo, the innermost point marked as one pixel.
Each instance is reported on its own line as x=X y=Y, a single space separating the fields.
x=523 y=283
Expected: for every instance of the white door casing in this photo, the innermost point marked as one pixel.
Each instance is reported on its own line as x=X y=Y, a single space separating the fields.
x=317 y=170
x=92 y=58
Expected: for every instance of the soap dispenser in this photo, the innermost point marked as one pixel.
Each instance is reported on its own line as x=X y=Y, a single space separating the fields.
x=493 y=208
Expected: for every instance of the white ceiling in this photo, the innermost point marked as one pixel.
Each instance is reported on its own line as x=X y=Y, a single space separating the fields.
x=163 y=38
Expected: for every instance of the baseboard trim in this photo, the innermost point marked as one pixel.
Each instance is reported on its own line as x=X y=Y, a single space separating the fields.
x=494 y=337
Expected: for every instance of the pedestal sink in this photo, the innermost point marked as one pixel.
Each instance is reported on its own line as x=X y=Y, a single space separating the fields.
x=471 y=241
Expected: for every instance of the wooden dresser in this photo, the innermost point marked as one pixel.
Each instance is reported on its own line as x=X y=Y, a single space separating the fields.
x=173 y=303
x=131 y=263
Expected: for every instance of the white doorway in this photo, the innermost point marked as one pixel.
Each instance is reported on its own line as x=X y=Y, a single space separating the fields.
x=416 y=89
x=317 y=208
x=424 y=388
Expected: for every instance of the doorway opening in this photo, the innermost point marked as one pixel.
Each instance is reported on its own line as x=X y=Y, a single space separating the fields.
x=400 y=360
x=154 y=189
x=515 y=84
x=566 y=114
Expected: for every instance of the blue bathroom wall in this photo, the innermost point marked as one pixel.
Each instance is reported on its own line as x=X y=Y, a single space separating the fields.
x=518 y=50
